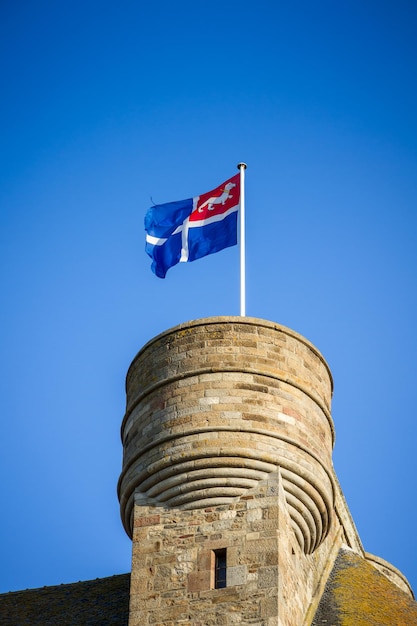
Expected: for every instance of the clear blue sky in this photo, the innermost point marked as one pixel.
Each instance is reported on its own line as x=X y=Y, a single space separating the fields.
x=105 y=105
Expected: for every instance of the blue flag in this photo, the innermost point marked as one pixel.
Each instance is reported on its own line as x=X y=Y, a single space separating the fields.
x=187 y=230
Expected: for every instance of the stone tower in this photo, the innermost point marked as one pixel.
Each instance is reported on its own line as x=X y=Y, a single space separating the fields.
x=227 y=488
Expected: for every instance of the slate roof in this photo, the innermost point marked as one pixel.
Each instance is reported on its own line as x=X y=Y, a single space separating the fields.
x=100 y=602
x=357 y=594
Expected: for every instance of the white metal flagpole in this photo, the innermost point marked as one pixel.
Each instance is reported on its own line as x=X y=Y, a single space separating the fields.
x=241 y=167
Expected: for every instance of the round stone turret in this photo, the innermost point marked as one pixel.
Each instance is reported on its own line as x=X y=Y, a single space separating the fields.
x=214 y=406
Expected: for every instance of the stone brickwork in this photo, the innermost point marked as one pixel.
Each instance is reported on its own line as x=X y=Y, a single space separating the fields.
x=214 y=406
x=270 y=580
x=173 y=563
x=227 y=442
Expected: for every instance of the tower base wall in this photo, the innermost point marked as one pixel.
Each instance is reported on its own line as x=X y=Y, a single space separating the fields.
x=270 y=581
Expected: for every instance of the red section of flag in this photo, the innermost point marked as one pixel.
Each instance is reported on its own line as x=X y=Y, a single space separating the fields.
x=217 y=201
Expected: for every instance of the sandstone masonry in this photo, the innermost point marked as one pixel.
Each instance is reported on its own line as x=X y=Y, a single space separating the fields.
x=227 y=441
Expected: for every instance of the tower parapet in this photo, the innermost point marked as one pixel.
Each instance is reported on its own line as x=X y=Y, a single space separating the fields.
x=217 y=404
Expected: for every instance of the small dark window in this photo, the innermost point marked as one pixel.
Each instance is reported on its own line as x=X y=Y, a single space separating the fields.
x=220 y=568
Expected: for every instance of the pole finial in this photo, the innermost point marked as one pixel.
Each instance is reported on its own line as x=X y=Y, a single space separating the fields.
x=241 y=165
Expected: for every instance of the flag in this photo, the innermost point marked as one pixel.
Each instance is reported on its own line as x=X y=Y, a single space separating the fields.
x=186 y=230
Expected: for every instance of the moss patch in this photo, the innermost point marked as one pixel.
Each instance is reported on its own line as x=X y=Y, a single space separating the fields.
x=357 y=594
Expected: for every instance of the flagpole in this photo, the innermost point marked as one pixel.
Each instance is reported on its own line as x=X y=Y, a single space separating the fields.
x=241 y=167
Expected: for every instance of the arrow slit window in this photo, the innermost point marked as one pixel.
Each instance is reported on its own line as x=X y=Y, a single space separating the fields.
x=220 y=566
